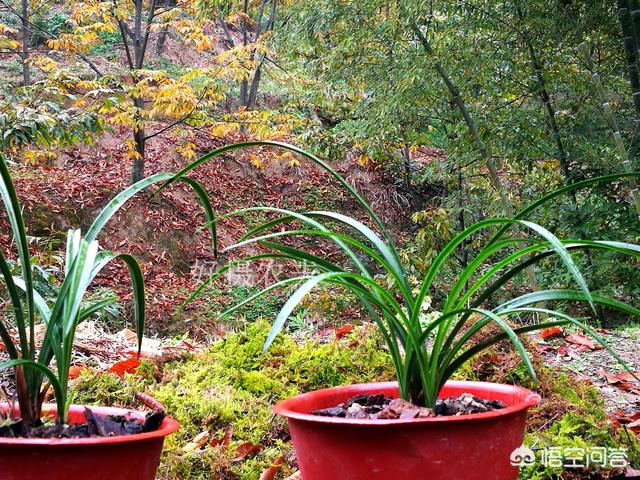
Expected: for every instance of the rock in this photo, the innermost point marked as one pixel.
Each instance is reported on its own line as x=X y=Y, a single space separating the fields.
x=399 y=408
x=356 y=411
x=338 y=411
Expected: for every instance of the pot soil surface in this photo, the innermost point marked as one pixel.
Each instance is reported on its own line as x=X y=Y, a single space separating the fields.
x=96 y=426
x=379 y=407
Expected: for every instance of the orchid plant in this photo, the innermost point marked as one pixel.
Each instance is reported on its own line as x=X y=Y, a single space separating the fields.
x=32 y=360
x=425 y=354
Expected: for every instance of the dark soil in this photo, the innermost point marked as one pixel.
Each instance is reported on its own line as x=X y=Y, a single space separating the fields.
x=96 y=426
x=379 y=407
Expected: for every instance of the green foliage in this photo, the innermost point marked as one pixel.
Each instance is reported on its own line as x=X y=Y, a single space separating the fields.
x=583 y=429
x=108 y=44
x=219 y=299
x=375 y=90
x=30 y=120
x=46 y=25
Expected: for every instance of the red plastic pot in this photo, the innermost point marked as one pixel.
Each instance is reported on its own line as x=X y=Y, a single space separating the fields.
x=130 y=457
x=465 y=447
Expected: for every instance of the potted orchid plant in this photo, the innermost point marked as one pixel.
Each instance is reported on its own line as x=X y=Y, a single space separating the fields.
x=63 y=441
x=425 y=354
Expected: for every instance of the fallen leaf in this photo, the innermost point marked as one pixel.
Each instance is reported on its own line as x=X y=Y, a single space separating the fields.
x=224 y=440
x=130 y=365
x=629 y=387
x=568 y=351
x=578 y=339
x=129 y=335
x=617 y=378
x=76 y=370
x=344 y=330
x=634 y=424
x=551 y=332
x=542 y=348
x=272 y=471
x=245 y=449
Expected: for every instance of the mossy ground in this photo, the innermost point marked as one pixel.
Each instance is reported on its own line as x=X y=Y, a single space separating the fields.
x=570 y=416
x=232 y=386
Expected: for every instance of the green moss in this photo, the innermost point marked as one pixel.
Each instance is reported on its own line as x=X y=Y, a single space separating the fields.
x=581 y=431
x=109 y=389
x=234 y=385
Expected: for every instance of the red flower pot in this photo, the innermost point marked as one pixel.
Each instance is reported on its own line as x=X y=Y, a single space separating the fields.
x=131 y=457
x=465 y=447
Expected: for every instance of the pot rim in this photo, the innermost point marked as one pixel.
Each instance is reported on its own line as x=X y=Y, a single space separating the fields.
x=287 y=409
x=167 y=427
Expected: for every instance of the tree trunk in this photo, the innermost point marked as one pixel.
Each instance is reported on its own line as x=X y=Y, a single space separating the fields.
x=164 y=31
x=630 y=23
x=26 y=72
x=255 y=84
x=244 y=84
x=457 y=99
x=161 y=40
x=137 y=170
x=613 y=124
x=545 y=99
x=244 y=93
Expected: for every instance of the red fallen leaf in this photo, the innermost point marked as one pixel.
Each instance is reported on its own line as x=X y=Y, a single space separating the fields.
x=629 y=387
x=246 y=449
x=578 y=339
x=564 y=350
x=622 y=418
x=224 y=440
x=129 y=365
x=344 y=330
x=627 y=376
x=76 y=370
x=581 y=348
x=551 y=332
x=272 y=471
x=496 y=358
x=618 y=378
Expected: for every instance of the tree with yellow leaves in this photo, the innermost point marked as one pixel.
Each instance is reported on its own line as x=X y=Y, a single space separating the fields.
x=142 y=96
x=15 y=31
x=254 y=21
